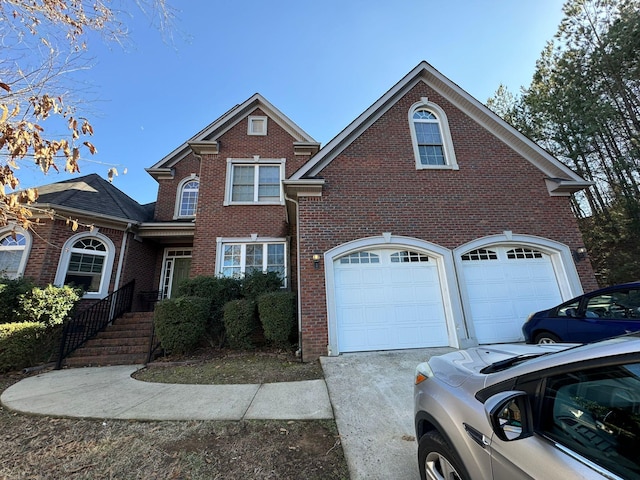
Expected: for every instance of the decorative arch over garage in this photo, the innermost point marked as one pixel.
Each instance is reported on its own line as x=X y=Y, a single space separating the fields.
x=504 y=278
x=391 y=292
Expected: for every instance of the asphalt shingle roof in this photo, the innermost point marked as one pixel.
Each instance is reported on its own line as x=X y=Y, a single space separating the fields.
x=93 y=194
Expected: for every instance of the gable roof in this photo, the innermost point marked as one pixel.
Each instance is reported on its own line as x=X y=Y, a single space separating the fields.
x=560 y=180
x=212 y=132
x=94 y=196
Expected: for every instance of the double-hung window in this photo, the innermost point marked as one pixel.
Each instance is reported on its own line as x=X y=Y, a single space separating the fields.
x=188 y=198
x=254 y=181
x=239 y=259
x=432 y=143
x=13 y=253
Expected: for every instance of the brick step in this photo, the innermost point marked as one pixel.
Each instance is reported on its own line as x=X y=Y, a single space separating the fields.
x=124 y=342
x=124 y=330
x=102 y=361
x=102 y=341
x=88 y=351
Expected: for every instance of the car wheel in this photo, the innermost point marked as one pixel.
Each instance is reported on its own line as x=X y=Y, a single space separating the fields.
x=546 y=337
x=437 y=460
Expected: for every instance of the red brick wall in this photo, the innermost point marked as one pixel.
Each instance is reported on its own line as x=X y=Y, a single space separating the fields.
x=167 y=189
x=216 y=220
x=374 y=187
x=46 y=249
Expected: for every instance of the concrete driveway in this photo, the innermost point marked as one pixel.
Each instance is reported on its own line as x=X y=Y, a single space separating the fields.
x=372 y=398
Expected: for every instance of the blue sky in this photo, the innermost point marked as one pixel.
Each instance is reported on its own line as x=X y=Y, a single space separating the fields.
x=322 y=63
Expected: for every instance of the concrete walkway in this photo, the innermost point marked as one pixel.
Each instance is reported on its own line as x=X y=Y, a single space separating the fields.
x=111 y=393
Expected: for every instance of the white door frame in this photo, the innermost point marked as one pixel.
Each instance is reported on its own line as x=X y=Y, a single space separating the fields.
x=561 y=260
x=168 y=265
x=446 y=274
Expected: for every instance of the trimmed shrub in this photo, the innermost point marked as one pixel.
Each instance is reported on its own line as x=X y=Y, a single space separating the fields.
x=277 y=312
x=27 y=344
x=10 y=292
x=181 y=323
x=256 y=283
x=50 y=305
x=240 y=322
x=219 y=291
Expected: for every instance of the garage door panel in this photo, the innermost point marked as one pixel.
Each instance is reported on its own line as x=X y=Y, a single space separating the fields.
x=350 y=317
x=503 y=291
x=399 y=305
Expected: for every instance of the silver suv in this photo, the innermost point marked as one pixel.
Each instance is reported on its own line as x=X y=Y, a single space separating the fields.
x=552 y=411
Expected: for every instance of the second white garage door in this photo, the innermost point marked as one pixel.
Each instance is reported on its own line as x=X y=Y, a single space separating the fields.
x=387 y=300
x=504 y=285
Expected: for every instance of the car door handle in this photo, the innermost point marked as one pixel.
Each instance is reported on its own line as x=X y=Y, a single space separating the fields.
x=477 y=436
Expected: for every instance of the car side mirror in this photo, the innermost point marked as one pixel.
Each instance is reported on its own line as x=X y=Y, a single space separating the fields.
x=510 y=415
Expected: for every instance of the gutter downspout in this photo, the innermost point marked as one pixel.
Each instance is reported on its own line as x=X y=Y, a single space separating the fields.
x=299 y=300
x=123 y=247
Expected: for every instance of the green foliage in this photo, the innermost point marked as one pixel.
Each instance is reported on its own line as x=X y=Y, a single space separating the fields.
x=50 y=305
x=10 y=292
x=218 y=290
x=180 y=323
x=256 y=283
x=240 y=322
x=277 y=312
x=27 y=344
x=583 y=105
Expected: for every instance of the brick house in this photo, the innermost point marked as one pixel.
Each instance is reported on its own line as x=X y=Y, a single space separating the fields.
x=428 y=221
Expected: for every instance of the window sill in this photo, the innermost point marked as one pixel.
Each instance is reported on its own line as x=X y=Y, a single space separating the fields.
x=437 y=167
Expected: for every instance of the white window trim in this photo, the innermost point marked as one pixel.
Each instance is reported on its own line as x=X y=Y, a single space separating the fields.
x=256 y=161
x=251 y=122
x=27 y=247
x=176 y=211
x=105 y=280
x=254 y=239
x=447 y=143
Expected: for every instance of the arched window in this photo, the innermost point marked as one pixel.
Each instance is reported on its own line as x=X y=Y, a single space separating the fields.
x=13 y=253
x=187 y=198
x=87 y=261
x=431 y=139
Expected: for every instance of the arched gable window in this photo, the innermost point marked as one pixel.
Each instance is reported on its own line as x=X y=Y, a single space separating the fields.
x=14 y=251
x=432 y=143
x=87 y=262
x=187 y=198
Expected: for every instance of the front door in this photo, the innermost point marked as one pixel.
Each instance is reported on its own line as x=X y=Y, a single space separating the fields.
x=176 y=266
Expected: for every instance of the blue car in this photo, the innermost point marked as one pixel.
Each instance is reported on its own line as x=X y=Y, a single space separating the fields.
x=597 y=315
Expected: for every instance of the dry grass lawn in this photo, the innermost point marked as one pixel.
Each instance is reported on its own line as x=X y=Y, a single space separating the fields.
x=35 y=447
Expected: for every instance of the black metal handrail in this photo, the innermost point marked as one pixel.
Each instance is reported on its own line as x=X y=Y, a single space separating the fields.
x=77 y=330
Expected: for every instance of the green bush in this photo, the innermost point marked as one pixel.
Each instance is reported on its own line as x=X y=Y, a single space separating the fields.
x=240 y=322
x=10 y=292
x=27 y=344
x=219 y=291
x=256 y=283
x=50 y=305
x=277 y=312
x=181 y=323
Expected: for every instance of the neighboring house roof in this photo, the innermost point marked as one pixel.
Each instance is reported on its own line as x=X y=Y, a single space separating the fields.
x=93 y=195
x=560 y=180
x=209 y=135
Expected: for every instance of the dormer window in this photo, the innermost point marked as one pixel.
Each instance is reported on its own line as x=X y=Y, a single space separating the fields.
x=432 y=143
x=257 y=125
x=187 y=199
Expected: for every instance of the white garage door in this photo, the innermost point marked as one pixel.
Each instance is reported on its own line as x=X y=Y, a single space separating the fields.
x=387 y=300
x=504 y=285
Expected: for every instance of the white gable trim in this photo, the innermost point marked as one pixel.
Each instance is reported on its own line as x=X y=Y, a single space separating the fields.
x=424 y=72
